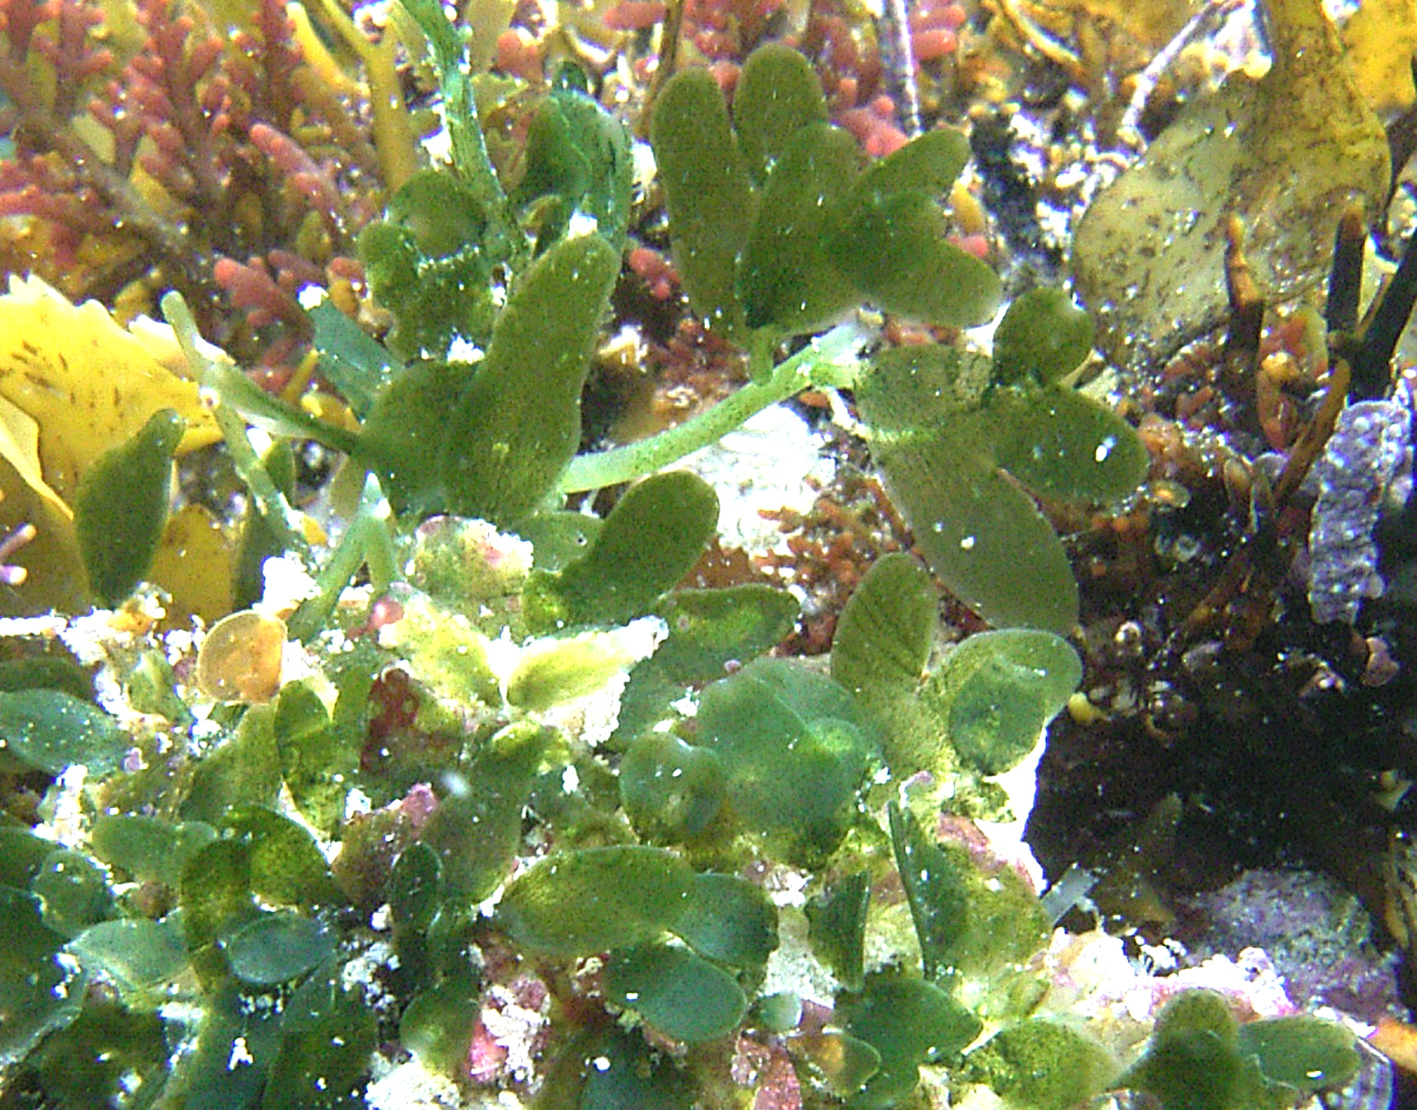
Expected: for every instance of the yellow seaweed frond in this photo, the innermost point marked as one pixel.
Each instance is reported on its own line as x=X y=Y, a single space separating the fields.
x=393 y=137
x=73 y=385
x=1381 y=39
x=87 y=383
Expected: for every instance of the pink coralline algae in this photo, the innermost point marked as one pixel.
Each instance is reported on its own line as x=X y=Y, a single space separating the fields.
x=209 y=161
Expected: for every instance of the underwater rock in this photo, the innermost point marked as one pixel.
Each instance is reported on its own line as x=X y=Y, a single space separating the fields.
x=1316 y=934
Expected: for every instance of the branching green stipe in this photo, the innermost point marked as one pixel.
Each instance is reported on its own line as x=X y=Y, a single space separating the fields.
x=828 y=361
x=234 y=390
x=366 y=541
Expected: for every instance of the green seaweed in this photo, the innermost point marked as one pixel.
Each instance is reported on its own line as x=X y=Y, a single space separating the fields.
x=647 y=544
x=73 y=890
x=776 y=231
x=607 y=1069
x=516 y=420
x=944 y=423
x=908 y=1022
x=285 y=865
x=836 y=919
x=997 y=691
x=786 y=279
x=991 y=696
x=108 y=1056
x=477 y=827
x=796 y=755
x=1201 y=1058
x=621 y=862
x=244 y=767
x=777 y=95
x=275 y=948
x=148 y=849
x=728 y=919
x=709 y=192
x=513 y=431
x=232 y=1029
x=22 y=854
x=708 y=631
x=979 y=928
x=681 y=994
x=438 y=1023
x=214 y=894
x=328 y=1037
x=671 y=790
x=583 y=902
x=316 y=760
x=38 y=991
x=353 y=362
x=619 y=896
x=578 y=163
x=121 y=506
x=49 y=730
x=140 y=957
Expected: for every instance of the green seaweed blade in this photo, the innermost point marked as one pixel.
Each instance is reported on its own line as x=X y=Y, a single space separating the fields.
x=785 y=280
x=708 y=192
x=518 y=423
x=121 y=507
x=983 y=536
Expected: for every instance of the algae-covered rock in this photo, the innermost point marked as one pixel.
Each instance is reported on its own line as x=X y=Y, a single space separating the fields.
x=1043 y=1065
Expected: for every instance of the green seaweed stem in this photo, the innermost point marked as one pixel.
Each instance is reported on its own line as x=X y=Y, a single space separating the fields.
x=827 y=361
x=366 y=541
x=244 y=396
x=265 y=493
x=468 y=145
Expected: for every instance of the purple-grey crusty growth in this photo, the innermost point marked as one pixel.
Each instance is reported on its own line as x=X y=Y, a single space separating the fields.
x=1366 y=469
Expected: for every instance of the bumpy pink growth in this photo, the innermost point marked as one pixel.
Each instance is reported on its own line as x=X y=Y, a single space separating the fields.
x=252 y=289
x=977 y=245
x=485 y=1056
x=635 y=15
x=418 y=805
x=779 y=1088
x=656 y=271
x=311 y=180
x=932 y=28
x=875 y=127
